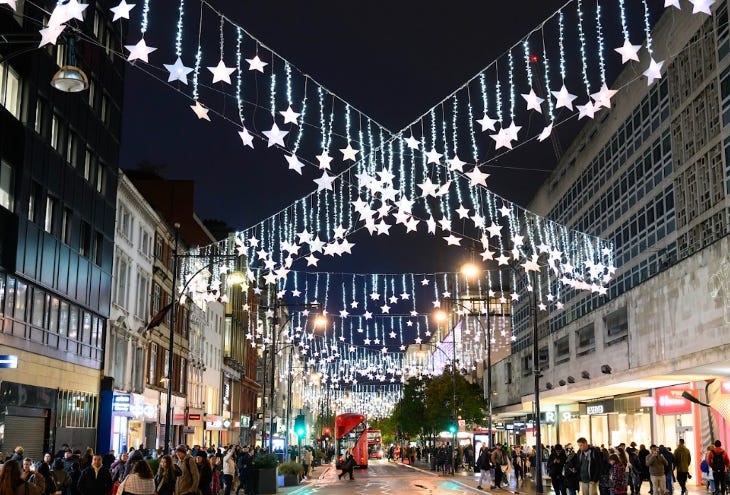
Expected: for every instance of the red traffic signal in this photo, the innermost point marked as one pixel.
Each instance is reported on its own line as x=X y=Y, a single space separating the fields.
x=327 y=431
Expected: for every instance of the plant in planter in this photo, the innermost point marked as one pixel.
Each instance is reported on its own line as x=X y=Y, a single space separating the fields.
x=265 y=469
x=292 y=472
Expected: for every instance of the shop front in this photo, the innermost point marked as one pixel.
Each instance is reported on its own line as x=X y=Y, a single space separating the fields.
x=194 y=427
x=217 y=427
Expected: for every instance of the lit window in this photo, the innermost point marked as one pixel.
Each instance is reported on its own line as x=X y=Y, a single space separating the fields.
x=50 y=214
x=38 y=124
x=10 y=90
x=55 y=125
x=88 y=164
x=101 y=180
x=7 y=186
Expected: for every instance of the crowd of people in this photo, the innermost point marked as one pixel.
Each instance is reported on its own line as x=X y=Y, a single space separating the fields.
x=187 y=471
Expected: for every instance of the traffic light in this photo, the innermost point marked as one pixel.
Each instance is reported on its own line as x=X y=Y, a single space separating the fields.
x=327 y=431
x=453 y=427
x=300 y=426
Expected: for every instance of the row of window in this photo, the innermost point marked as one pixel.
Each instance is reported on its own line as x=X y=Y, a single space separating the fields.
x=125 y=227
x=119 y=356
x=123 y=269
x=46 y=319
x=158 y=369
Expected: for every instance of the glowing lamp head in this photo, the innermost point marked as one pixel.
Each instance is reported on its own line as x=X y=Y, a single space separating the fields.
x=440 y=316
x=320 y=321
x=235 y=278
x=470 y=270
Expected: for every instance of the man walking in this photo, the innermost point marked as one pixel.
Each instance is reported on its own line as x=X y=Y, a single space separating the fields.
x=589 y=467
x=656 y=463
x=187 y=482
x=682 y=459
x=718 y=462
x=482 y=465
x=95 y=479
x=499 y=459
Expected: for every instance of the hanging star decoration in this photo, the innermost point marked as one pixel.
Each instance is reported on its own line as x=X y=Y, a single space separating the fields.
x=545 y=132
x=200 y=111
x=477 y=177
x=654 y=71
x=294 y=164
x=10 y=3
x=178 y=71
x=256 y=64
x=276 y=136
x=221 y=73
x=702 y=6
x=121 y=11
x=50 y=34
x=349 y=153
x=290 y=116
x=628 y=51
x=564 y=98
x=246 y=137
x=140 y=51
x=533 y=101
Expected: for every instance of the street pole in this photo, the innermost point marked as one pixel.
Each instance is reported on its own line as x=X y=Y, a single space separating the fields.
x=489 y=377
x=536 y=371
x=453 y=399
x=288 y=407
x=263 y=400
x=274 y=332
x=170 y=361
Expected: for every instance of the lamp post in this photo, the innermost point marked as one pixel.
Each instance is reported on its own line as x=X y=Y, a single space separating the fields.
x=536 y=371
x=173 y=313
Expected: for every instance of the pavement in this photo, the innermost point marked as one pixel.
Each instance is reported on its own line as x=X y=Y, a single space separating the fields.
x=467 y=479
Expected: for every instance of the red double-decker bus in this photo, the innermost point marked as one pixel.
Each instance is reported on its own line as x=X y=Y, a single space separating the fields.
x=351 y=433
x=375 y=444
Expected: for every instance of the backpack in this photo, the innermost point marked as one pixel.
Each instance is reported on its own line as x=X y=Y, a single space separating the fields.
x=718 y=461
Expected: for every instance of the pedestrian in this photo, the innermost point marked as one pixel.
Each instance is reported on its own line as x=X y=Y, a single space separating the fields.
x=619 y=482
x=718 y=462
x=11 y=482
x=229 y=469
x=682 y=459
x=141 y=481
x=74 y=477
x=187 y=482
x=18 y=454
x=668 y=469
x=118 y=467
x=499 y=461
x=707 y=474
x=205 y=471
x=244 y=463
x=307 y=459
x=43 y=472
x=643 y=454
x=570 y=472
x=95 y=479
x=482 y=465
x=656 y=463
x=590 y=466
x=555 y=468
x=347 y=466
x=60 y=477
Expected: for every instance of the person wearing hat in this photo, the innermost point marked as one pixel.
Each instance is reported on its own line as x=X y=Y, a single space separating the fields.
x=206 y=472
x=187 y=482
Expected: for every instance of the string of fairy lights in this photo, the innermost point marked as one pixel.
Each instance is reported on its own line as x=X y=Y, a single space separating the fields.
x=375 y=179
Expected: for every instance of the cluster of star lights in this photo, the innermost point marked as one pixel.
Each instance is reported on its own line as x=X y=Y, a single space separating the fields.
x=427 y=177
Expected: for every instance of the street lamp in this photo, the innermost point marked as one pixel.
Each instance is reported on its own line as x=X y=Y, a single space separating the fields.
x=441 y=316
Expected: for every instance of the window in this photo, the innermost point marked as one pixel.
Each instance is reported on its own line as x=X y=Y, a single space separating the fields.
x=61 y=55
x=39 y=116
x=104 y=113
x=7 y=186
x=92 y=94
x=122 y=284
x=543 y=355
x=617 y=326
x=50 y=223
x=562 y=350
x=585 y=340
x=124 y=222
x=100 y=178
x=55 y=130
x=98 y=249
x=144 y=242
x=72 y=149
x=10 y=90
x=85 y=240
x=38 y=309
x=527 y=365
x=143 y=290
x=66 y=225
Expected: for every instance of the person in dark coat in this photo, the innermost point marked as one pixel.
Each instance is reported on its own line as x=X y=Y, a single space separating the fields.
x=95 y=479
x=166 y=476
x=571 y=478
x=206 y=472
x=555 y=466
x=74 y=476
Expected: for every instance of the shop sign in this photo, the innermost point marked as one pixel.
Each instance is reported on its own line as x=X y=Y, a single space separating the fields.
x=8 y=361
x=647 y=401
x=566 y=416
x=548 y=417
x=121 y=403
x=509 y=426
x=218 y=424
x=669 y=400
x=194 y=417
x=598 y=407
x=499 y=426
x=725 y=387
x=245 y=421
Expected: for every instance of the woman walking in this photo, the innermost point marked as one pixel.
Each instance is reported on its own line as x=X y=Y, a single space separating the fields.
x=12 y=484
x=167 y=473
x=141 y=481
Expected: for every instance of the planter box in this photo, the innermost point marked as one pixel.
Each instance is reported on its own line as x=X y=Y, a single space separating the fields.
x=266 y=481
x=291 y=479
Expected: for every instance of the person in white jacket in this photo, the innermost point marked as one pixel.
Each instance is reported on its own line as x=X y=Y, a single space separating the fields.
x=229 y=470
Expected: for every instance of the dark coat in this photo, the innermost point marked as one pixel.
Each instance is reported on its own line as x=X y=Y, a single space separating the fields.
x=556 y=464
x=92 y=483
x=570 y=472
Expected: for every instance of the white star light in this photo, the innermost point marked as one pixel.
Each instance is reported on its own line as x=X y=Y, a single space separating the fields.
x=256 y=64
x=564 y=98
x=533 y=101
x=139 y=51
x=434 y=156
x=178 y=71
x=50 y=34
x=487 y=123
x=701 y=6
x=412 y=143
x=276 y=136
x=324 y=182
x=501 y=139
x=587 y=110
x=122 y=10
x=628 y=51
x=294 y=164
x=452 y=240
x=324 y=161
x=476 y=176
x=200 y=111
x=349 y=153
x=546 y=132
x=603 y=97
x=221 y=72
x=672 y=3
x=654 y=71
x=456 y=165
x=10 y=3
x=290 y=116
x=246 y=137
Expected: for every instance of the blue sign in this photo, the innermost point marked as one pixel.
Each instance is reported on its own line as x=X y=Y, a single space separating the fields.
x=8 y=361
x=121 y=403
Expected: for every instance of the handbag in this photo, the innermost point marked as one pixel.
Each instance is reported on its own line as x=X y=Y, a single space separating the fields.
x=115 y=488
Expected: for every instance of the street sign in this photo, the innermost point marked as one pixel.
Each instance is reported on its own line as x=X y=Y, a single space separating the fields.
x=8 y=361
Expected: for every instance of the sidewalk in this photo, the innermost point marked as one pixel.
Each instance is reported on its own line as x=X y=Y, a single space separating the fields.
x=318 y=473
x=471 y=480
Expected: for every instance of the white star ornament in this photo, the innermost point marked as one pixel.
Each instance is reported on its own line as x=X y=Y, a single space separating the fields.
x=628 y=51
x=178 y=71
x=256 y=64
x=121 y=11
x=222 y=73
x=140 y=51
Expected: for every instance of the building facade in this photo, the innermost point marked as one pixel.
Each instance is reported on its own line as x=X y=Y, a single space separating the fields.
x=58 y=184
x=652 y=176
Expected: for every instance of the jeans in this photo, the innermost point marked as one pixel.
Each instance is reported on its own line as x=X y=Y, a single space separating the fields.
x=483 y=476
x=669 y=483
x=682 y=480
x=228 y=483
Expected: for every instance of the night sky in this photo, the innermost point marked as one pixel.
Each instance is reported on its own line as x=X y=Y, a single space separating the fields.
x=392 y=60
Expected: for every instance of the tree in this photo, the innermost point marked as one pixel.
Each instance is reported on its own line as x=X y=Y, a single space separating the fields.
x=470 y=401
